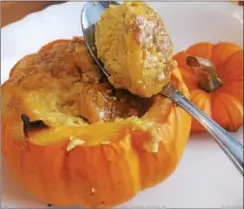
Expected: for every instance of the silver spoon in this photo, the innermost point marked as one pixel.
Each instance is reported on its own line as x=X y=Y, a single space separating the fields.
x=233 y=148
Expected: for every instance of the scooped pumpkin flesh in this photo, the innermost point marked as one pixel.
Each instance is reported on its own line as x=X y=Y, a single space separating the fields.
x=71 y=139
x=133 y=44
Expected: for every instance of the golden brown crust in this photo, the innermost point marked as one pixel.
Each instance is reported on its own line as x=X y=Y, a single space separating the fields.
x=64 y=73
x=151 y=33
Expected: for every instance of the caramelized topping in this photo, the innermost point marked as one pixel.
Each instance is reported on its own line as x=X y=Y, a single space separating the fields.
x=63 y=85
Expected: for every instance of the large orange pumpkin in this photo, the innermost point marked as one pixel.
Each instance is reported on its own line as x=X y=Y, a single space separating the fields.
x=217 y=90
x=64 y=161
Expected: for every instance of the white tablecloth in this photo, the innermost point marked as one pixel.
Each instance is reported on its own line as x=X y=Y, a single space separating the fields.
x=205 y=177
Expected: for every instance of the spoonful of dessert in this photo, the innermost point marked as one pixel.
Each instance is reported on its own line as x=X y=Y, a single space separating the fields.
x=132 y=48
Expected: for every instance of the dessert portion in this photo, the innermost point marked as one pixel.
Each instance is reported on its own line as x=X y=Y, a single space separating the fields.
x=135 y=48
x=70 y=87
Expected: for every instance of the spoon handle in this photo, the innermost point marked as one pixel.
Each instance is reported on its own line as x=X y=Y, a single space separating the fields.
x=231 y=146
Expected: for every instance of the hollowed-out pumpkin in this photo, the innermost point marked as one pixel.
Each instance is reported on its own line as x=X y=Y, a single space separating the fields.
x=216 y=89
x=65 y=145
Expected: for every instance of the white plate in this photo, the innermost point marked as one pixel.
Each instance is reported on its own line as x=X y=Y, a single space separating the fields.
x=205 y=177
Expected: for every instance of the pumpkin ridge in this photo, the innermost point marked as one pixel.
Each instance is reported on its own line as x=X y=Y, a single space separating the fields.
x=44 y=178
x=230 y=115
x=234 y=89
x=231 y=120
x=107 y=165
x=230 y=111
x=221 y=69
x=203 y=101
x=66 y=175
x=175 y=122
x=136 y=176
x=226 y=50
x=183 y=142
x=227 y=63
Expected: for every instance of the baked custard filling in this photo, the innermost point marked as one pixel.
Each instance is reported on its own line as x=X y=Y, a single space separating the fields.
x=59 y=92
x=63 y=84
x=135 y=48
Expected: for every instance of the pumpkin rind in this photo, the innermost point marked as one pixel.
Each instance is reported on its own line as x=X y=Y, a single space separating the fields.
x=225 y=104
x=102 y=174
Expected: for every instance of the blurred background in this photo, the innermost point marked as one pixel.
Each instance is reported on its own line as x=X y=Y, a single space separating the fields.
x=12 y=11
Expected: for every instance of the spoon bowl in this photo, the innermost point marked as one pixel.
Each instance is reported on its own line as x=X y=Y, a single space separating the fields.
x=91 y=14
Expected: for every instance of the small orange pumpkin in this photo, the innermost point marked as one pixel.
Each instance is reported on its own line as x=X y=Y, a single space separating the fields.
x=101 y=164
x=217 y=90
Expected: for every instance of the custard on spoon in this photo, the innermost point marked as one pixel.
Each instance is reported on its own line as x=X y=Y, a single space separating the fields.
x=134 y=46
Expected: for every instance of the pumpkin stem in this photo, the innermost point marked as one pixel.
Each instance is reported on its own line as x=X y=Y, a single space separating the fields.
x=209 y=79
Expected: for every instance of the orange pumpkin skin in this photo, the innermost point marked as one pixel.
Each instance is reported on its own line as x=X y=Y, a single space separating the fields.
x=100 y=175
x=225 y=104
